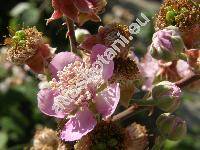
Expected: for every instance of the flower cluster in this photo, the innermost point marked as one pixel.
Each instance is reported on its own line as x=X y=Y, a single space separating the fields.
x=84 y=88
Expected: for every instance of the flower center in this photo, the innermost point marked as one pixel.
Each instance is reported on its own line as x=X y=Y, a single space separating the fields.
x=24 y=45
x=77 y=85
x=125 y=69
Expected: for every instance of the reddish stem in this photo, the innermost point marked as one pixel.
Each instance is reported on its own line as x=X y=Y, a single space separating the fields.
x=182 y=83
x=188 y=80
x=125 y=113
x=71 y=34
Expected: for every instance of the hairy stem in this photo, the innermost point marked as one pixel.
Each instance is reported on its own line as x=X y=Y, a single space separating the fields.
x=71 y=34
x=188 y=80
x=136 y=106
x=143 y=102
x=125 y=113
x=138 y=103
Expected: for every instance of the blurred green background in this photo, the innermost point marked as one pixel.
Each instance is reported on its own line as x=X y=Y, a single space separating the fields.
x=19 y=114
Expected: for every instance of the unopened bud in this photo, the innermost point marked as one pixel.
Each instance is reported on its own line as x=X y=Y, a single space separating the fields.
x=172 y=127
x=167 y=96
x=167 y=44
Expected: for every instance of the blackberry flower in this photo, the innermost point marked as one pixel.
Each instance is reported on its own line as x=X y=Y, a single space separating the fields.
x=78 y=92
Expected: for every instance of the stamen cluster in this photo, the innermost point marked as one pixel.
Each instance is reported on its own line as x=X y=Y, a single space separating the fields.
x=184 y=14
x=75 y=85
x=24 y=45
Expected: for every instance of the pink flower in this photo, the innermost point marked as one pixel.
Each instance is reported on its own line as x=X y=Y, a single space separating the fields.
x=154 y=70
x=78 y=10
x=79 y=92
x=184 y=69
x=148 y=68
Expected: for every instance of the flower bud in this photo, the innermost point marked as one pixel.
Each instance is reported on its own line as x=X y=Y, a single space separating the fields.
x=167 y=96
x=172 y=127
x=167 y=44
x=27 y=47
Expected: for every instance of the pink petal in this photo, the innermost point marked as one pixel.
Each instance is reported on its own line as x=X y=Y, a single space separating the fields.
x=56 y=4
x=60 y=61
x=56 y=15
x=84 y=17
x=79 y=125
x=107 y=101
x=183 y=69
x=82 y=5
x=65 y=7
x=45 y=102
x=108 y=69
x=148 y=68
x=69 y=9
